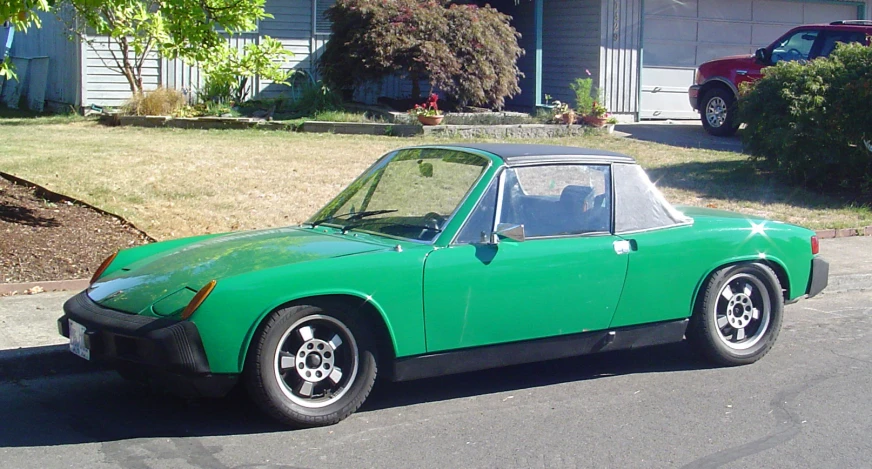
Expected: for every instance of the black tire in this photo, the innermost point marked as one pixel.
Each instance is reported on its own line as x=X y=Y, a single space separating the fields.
x=718 y=112
x=738 y=315
x=282 y=353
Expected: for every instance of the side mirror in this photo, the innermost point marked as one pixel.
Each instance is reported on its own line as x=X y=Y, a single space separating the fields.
x=509 y=231
x=762 y=56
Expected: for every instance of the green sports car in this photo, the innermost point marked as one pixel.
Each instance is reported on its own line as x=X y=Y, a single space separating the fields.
x=444 y=259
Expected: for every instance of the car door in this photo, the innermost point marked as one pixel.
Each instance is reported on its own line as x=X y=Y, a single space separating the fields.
x=797 y=45
x=830 y=38
x=565 y=277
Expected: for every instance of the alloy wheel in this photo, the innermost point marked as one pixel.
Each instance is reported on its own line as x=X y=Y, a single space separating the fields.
x=742 y=311
x=716 y=112
x=316 y=361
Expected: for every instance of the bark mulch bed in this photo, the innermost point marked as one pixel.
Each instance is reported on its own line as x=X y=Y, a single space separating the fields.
x=44 y=236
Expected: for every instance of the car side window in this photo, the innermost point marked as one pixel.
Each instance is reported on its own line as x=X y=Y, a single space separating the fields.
x=797 y=46
x=480 y=222
x=829 y=40
x=558 y=200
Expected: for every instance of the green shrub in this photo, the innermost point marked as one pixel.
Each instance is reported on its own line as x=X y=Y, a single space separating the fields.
x=808 y=122
x=316 y=98
x=584 y=98
x=218 y=91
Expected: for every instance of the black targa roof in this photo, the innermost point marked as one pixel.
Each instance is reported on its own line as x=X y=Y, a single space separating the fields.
x=520 y=152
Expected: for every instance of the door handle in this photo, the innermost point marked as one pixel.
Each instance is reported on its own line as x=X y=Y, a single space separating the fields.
x=622 y=246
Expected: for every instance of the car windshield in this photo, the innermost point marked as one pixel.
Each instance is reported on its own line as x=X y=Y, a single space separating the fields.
x=409 y=194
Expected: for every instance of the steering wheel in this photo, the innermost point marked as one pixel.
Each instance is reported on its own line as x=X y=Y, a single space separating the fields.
x=793 y=55
x=433 y=221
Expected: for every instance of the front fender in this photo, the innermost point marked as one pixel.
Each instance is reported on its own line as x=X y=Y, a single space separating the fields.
x=389 y=281
x=301 y=298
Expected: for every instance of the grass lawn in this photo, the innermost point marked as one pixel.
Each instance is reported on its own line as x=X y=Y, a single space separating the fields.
x=172 y=182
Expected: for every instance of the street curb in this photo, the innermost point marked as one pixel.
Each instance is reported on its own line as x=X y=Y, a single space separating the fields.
x=843 y=232
x=38 y=362
x=54 y=285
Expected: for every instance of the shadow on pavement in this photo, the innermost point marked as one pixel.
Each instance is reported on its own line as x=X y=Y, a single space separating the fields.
x=101 y=407
x=681 y=134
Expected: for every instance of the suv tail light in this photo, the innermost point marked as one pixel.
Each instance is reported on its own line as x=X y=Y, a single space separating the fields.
x=815 y=245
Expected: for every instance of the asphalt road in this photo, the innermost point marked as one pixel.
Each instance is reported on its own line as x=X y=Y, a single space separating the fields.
x=806 y=404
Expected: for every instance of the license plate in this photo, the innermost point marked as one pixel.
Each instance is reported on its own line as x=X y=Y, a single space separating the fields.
x=77 y=340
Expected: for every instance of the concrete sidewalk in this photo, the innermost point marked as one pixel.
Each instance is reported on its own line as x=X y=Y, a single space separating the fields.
x=31 y=346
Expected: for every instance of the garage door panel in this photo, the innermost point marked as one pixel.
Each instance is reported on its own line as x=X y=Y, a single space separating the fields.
x=763 y=34
x=670 y=29
x=715 y=52
x=815 y=13
x=665 y=91
x=724 y=33
x=719 y=9
x=686 y=8
x=778 y=12
x=670 y=54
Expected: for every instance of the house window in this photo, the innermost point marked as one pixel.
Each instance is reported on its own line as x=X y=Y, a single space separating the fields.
x=322 y=24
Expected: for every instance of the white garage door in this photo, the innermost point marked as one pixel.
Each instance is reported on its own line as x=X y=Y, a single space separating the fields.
x=680 y=35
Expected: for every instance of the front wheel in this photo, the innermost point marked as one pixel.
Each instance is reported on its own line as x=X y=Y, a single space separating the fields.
x=311 y=366
x=718 y=112
x=739 y=316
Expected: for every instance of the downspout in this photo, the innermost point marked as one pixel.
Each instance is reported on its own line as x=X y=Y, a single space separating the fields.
x=539 y=9
x=640 y=61
x=6 y=47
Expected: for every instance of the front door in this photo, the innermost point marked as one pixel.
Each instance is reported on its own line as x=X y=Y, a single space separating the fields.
x=564 y=278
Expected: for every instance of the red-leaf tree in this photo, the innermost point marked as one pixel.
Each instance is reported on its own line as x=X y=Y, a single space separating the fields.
x=468 y=52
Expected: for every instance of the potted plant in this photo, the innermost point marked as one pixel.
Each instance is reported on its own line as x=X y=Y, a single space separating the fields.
x=563 y=114
x=428 y=113
x=597 y=116
x=610 y=124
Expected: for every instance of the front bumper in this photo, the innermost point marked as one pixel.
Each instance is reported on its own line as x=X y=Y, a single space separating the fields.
x=169 y=352
x=820 y=272
x=693 y=96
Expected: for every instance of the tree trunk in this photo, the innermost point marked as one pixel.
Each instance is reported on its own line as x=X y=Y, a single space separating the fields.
x=416 y=85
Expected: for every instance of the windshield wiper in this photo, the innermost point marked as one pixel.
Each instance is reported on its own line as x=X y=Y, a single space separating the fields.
x=391 y=223
x=352 y=216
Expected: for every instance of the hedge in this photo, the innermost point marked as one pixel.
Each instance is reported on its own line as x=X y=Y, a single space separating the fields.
x=811 y=123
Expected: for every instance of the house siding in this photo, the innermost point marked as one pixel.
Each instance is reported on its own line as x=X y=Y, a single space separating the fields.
x=62 y=86
x=291 y=25
x=104 y=85
x=621 y=26
x=524 y=21
x=570 y=45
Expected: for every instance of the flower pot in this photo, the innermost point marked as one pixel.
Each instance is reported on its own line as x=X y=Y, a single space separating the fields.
x=610 y=128
x=568 y=118
x=595 y=121
x=430 y=120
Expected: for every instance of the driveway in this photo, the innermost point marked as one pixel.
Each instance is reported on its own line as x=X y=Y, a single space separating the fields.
x=679 y=133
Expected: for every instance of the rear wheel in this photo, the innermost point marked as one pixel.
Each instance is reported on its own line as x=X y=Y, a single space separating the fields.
x=718 y=112
x=311 y=365
x=739 y=316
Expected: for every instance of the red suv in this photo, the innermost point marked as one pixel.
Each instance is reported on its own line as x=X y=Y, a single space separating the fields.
x=717 y=82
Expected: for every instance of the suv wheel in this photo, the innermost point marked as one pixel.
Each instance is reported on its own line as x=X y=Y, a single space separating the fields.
x=718 y=112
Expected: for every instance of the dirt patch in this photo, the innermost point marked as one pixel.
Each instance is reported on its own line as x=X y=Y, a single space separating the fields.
x=43 y=239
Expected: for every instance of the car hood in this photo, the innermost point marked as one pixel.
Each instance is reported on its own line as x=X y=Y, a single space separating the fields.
x=163 y=282
x=725 y=64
